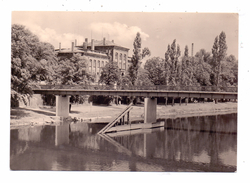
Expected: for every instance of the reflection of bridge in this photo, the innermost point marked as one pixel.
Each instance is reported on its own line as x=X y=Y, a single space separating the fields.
x=150 y=101
x=160 y=149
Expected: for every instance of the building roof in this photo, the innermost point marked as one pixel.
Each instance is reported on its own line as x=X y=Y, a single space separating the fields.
x=81 y=50
x=107 y=43
x=97 y=43
x=68 y=50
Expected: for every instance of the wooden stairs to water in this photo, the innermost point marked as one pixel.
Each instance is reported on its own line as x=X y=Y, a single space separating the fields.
x=120 y=119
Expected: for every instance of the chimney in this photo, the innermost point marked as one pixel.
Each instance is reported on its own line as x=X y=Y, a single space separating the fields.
x=192 y=49
x=85 y=44
x=92 y=45
x=59 y=47
x=72 y=47
x=104 y=41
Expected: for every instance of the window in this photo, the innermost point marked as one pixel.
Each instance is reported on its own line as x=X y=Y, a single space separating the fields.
x=120 y=61
x=94 y=66
x=102 y=63
x=121 y=57
x=116 y=56
x=90 y=66
x=98 y=66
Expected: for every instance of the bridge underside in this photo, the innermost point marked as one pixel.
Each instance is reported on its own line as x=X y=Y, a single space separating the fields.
x=62 y=108
x=150 y=101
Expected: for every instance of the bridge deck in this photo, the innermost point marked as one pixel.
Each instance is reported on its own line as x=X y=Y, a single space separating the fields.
x=140 y=93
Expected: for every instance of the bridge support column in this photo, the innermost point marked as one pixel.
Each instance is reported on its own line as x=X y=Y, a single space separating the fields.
x=216 y=101
x=166 y=102
x=150 y=105
x=173 y=101
x=62 y=105
x=186 y=100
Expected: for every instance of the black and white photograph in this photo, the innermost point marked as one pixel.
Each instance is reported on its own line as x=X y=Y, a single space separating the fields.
x=152 y=91
x=105 y=91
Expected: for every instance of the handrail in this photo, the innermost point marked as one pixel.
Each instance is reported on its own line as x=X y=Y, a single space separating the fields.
x=109 y=125
x=116 y=119
x=153 y=87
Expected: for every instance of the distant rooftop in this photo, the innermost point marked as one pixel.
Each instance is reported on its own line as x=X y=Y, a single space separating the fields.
x=80 y=50
x=83 y=48
x=107 y=43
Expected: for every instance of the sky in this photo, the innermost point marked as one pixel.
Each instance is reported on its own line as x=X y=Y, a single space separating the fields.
x=157 y=29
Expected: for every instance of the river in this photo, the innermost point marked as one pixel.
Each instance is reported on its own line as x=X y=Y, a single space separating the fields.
x=193 y=144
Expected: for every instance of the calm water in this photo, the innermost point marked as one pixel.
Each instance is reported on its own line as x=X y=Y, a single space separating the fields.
x=207 y=144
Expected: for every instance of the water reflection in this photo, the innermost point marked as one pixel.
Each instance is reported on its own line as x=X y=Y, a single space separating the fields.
x=185 y=144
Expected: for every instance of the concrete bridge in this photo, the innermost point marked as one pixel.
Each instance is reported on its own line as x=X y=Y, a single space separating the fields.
x=150 y=100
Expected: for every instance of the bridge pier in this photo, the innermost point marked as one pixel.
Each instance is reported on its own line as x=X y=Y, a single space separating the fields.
x=166 y=102
x=150 y=105
x=216 y=101
x=173 y=101
x=62 y=105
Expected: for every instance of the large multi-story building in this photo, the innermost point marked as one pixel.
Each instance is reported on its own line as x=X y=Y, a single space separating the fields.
x=99 y=53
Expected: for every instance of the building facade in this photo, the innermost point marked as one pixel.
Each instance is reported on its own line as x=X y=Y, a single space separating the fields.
x=98 y=53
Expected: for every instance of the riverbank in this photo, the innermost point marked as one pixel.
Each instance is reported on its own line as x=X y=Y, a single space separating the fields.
x=25 y=116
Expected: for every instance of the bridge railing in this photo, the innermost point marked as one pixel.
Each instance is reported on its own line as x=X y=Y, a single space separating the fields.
x=154 y=87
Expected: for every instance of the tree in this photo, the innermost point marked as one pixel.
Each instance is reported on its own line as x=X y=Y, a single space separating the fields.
x=136 y=57
x=30 y=60
x=202 y=69
x=229 y=71
x=187 y=70
x=186 y=51
x=155 y=70
x=142 y=79
x=71 y=71
x=145 y=52
x=74 y=71
x=219 y=52
x=110 y=74
x=184 y=59
x=173 y=68
x=167 y=65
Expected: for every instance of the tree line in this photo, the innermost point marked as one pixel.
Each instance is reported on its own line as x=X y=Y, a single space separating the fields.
x=33 y=62
x=203 y=69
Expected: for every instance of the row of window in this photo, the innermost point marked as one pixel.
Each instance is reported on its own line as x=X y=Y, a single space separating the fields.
x=122 y=60
x=99 y=64
x=96 y=65
x=124 y=56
